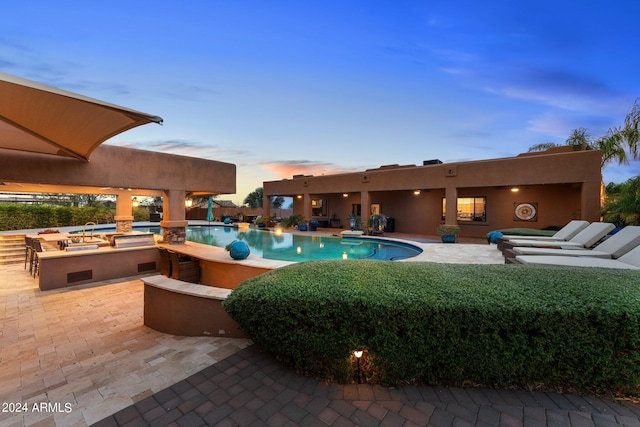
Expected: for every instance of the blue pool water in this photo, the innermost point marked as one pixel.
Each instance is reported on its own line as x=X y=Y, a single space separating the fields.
x=296 y=247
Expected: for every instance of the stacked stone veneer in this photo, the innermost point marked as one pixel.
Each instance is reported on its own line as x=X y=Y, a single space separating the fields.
x=124 y=226
x=174 y=235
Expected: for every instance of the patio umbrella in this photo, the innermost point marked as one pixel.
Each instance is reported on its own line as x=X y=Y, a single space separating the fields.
x=43 y=119
x=210 y=209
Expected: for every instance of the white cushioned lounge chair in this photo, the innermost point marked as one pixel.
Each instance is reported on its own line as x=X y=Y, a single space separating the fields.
x=630 y=260
x=613 y=247
x=586 y=238
x=565 y=233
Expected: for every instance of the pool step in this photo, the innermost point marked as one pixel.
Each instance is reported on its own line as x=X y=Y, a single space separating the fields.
x=11 y=249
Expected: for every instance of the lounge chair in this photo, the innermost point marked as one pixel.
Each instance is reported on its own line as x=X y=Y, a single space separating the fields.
x=630 y=260
x=613 y=247
x=565 y=233
x=584 y=239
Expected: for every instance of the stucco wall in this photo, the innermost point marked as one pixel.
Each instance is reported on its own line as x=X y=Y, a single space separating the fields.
x=120 y=167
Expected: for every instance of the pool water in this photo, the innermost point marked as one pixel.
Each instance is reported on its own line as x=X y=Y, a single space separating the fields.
x=296 y=247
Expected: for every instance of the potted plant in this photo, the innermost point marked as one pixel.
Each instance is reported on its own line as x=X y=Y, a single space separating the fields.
x=353 y=220
x=264 y=221
x=302 y=224
x=377 y=223
x=448 y=233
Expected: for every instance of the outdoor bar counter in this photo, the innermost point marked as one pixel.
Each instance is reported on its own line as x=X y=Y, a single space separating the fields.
x=218 y=269
x=59 y=268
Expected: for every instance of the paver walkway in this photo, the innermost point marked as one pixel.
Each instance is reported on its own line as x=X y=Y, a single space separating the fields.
x=249 y=388
x=84 y=353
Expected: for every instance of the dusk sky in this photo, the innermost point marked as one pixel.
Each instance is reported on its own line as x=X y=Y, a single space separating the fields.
x=318 y=87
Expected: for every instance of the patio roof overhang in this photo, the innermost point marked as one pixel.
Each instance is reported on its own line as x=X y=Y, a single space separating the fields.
x=38 y=118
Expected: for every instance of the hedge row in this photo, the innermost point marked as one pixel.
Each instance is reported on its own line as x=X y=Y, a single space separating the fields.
x=495 y=325
x=27 y=217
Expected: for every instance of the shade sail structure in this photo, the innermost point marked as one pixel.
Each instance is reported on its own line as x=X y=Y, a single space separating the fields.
x=43 y=119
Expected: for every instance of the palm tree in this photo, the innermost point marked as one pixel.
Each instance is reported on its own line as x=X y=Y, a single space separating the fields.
x=254 y=199
x=622 y=204
x=632 y=130
x=544 y=146
x=579 y=138
x=618 y=144
x=619 y=141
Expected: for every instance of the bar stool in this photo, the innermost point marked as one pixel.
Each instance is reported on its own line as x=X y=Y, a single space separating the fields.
x=35 y=261
x=184 y=268
x=28 y=248
x=165 y=262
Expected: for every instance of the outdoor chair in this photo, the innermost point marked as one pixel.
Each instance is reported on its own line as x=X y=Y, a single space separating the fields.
x=35 y=261
x=184 y=268
x=630 y=260
x=28 y=248
x=165 y=262
x=613 y=247
x=584 y=239
x=564 y=234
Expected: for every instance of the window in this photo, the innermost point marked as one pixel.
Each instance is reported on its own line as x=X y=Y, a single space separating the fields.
x=318 y=207
x=469 y=208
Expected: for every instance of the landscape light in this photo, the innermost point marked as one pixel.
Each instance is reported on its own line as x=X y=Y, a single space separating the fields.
x=358 y=355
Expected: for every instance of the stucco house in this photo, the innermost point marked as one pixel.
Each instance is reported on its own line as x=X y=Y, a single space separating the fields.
x=533 y=190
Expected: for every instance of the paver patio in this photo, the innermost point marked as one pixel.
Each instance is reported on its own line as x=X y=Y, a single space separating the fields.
x=87 y=347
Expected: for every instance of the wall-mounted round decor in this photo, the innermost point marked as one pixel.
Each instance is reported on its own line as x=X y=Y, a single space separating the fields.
x=526 y=211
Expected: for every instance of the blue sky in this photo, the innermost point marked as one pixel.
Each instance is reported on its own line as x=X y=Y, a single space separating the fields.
x=310 y=87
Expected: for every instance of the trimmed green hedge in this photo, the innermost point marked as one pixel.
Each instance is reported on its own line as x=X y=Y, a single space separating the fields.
x=496 y=325
x=27 y=217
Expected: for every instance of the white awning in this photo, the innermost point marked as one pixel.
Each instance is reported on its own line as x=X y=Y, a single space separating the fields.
x=43 y=119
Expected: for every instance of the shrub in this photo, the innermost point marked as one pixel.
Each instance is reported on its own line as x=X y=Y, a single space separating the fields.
x=497 y=325
x=293 y=220
x=22 y=216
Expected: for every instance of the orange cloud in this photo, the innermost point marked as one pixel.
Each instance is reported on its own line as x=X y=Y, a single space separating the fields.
x=288 y=168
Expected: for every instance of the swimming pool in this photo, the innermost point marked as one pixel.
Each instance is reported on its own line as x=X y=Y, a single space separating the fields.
x=296 y=247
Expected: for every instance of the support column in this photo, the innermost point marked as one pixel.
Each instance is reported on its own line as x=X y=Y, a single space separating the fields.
x=451 y=196
x=124 y=212
x=590 y=201
x=306 y=206
x=365 y=206
x=174 y=223
x=266 y=206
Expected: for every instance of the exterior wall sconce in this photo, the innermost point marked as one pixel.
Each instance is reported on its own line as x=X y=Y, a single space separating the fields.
x=299 y=196
x=188 y=203
x=135 y=202
x=358 y=355
x=345 y=195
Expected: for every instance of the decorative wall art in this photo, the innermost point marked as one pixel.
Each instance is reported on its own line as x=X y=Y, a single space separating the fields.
x=525 y=211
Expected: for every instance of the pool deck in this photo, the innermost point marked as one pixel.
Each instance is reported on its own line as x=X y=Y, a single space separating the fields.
x=86 y=346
